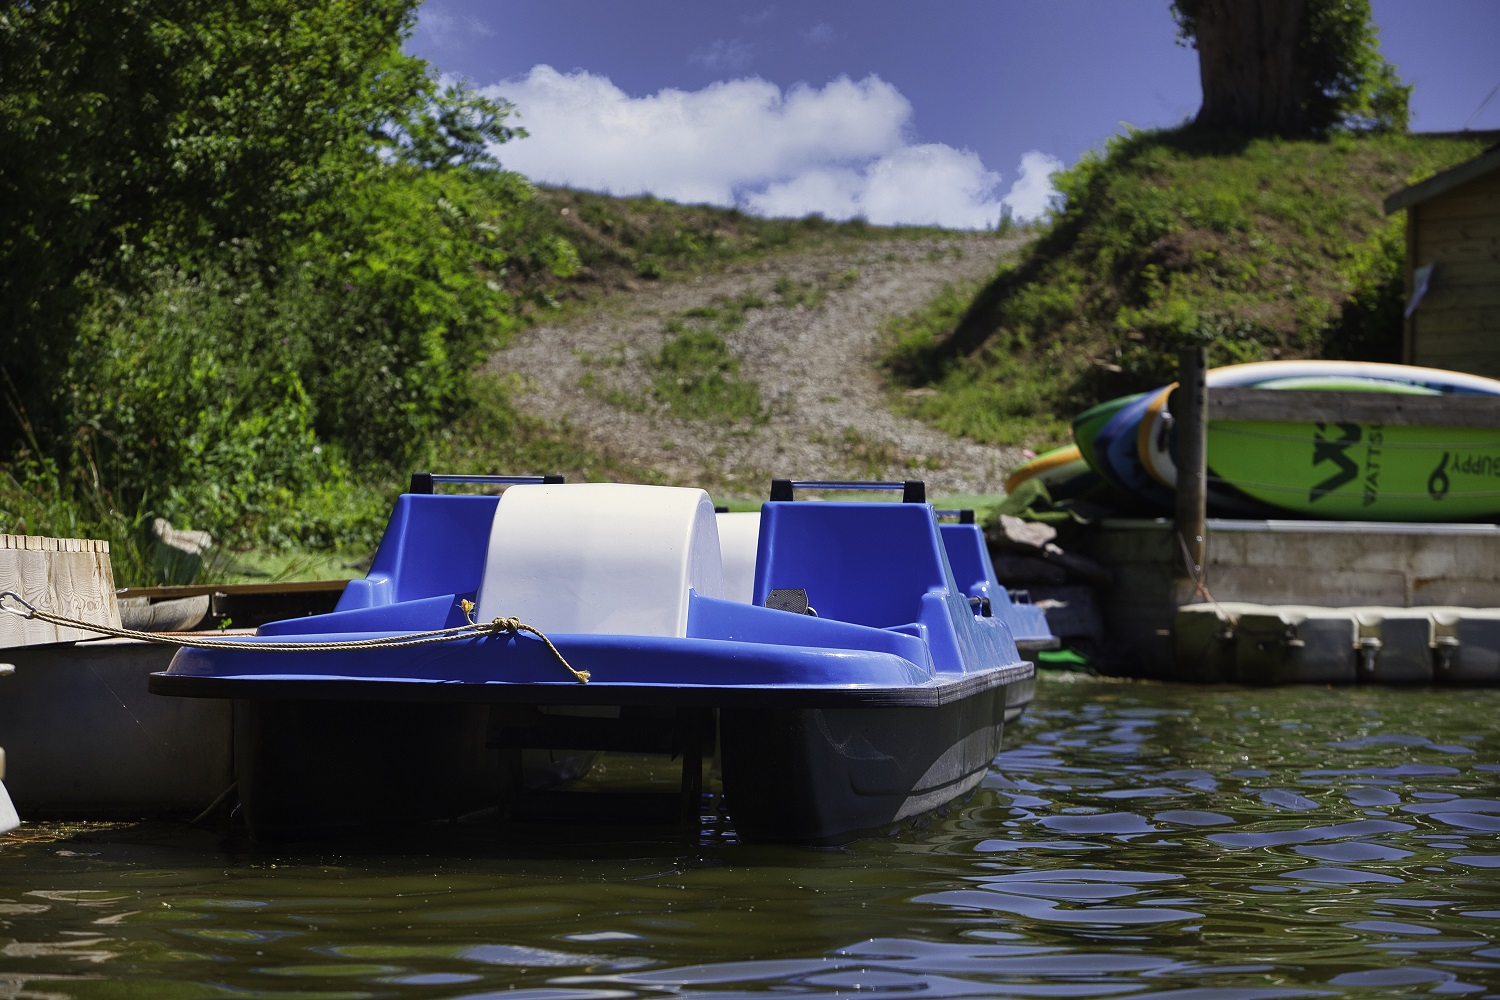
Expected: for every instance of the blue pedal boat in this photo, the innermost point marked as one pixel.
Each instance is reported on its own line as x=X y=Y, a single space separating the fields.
x=969 y=555
x=857 y=689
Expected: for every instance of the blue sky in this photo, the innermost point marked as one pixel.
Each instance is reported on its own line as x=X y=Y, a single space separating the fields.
x=903 y=112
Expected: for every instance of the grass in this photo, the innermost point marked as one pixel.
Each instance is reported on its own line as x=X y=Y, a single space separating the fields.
x=1006 y=403
x=493 y=437
x=623 y=241
x=1258 y=249
x=694 y=375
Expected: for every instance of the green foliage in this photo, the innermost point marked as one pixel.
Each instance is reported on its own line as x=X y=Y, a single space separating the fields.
x=1370 y=326
x=401 y=297
x=492 y=436
x=251 y=256
x=1346 y=82
x=1350 y=84
x=698 y=379
x=176 y=125
x=913 y=340
x=808 y=294
x=210 y=431
x=455 y=130
x=621 y=240
x=222 y=426
x=37 y=499
x=696 y=376
x=1258 y=249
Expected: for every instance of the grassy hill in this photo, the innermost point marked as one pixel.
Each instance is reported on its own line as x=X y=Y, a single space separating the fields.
x=1257 y=249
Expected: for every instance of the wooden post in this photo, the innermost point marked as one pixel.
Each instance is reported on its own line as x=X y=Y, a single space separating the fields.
x=1190 y=411
x=67 y=576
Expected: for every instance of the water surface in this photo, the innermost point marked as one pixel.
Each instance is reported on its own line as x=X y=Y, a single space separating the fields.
x=1133 y=840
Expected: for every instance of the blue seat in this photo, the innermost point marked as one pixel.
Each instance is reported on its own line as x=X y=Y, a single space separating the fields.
x=975 y=573
x=434 y=545
x=865 y=563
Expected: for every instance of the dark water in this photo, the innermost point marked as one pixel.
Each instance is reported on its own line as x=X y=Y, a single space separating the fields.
x=1134 y=840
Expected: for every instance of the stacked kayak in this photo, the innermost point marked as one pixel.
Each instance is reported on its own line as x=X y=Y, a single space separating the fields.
x=1063 y=471
x=1436 y=469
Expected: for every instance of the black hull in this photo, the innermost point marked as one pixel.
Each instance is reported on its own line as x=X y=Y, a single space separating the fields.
x=824 y=776
x=320 y=768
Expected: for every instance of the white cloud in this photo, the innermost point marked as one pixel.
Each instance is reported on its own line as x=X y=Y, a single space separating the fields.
x=929 y=184
x=1032 y=193
x=819 y=34
x=841 y=150
x=444 y=30
x=735 y=55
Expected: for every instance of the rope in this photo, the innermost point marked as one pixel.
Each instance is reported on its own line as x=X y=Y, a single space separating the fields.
x=1197 y=573
x=498 y=626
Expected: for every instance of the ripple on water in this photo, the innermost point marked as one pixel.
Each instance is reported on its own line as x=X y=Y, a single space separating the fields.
x=1142 y=841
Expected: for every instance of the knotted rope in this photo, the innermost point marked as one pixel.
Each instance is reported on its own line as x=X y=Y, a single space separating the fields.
x=497 y=626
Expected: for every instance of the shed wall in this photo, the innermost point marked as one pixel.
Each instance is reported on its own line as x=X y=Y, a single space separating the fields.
x=1457 y=324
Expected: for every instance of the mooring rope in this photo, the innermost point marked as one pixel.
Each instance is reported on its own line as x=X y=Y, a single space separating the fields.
x=1197 y=573
x=497 y=626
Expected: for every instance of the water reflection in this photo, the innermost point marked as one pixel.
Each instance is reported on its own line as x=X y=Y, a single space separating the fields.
x=1143 y=841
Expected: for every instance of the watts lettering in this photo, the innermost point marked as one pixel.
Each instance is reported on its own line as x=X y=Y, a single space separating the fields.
x=1481 y=466
x=1372 y=464
x=1335 y=451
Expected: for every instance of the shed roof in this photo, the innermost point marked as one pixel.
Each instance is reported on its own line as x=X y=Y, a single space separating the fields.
x=1437 y=184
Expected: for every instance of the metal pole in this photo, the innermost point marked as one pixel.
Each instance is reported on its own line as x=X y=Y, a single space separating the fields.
x=1190 y=413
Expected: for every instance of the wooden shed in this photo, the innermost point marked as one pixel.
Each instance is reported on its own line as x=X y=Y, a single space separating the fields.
x=1453 y=267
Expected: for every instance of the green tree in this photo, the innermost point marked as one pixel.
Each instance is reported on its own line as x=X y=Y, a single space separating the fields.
x=249 y=253
x=455 y=130
x=171 y=128
x=1291 y=67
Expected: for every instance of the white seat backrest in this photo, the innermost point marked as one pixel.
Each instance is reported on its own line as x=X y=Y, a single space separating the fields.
x=600 y=558
x=739 y=535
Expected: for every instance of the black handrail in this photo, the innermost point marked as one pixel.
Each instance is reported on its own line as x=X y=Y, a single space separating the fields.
x=912 y=490
x=424 y=482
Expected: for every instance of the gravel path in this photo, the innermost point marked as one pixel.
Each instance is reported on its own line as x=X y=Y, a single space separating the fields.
x=814 y=367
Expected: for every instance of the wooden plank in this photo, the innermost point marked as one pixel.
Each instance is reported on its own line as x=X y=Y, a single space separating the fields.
x=1458 y=312
x=1477 y=300
x=41 y=543
x=1190 y=401
x=1312 y=406
x=1478 y=195
x=1464 y=264
x=1459 y=359
x=1480 y=324
x=1458 y=348
x=199 y=590
x=1488 y=367
x=66 y=576
x=1407 y=347
x=1478 y=224
x=1453 y=333
x=1479 y=204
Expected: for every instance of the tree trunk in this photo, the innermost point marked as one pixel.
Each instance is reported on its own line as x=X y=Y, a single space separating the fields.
x=1250 y=63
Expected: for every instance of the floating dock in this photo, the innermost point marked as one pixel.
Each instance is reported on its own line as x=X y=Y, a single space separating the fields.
x=1267 y=587
x=86 y=739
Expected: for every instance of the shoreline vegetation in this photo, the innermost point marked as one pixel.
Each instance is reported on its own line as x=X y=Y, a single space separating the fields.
x=233 y=308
